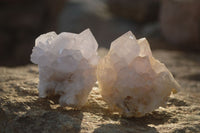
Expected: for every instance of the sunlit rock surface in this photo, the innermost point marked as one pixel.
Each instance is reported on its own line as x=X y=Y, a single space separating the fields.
x=132 y=81
x=67 y=64
x=22 y=111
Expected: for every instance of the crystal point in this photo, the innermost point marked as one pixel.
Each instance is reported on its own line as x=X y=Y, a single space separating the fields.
x=67 y=65
x=132 y=81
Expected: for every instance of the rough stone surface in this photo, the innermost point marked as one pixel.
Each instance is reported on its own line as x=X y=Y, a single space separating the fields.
x=22 y=111
x=137 y=10
x=180 y=22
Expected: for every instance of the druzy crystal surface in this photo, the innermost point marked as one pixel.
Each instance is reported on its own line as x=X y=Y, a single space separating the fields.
x=132 y=81
x=67 y=65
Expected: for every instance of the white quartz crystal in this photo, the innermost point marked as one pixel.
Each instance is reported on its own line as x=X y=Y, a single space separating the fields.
x=132 y=81
x=67 y=65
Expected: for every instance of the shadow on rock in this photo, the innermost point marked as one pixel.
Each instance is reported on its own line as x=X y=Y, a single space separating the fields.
x=135 y=124
x=176 y=102
x=142 y=124
x=155 y=118
x=45 y=115
x=114 y=128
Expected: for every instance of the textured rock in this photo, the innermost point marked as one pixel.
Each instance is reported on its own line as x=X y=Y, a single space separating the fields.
x=67 y=65
x=136 y=10
x=21 y=110
x=180 y=22
x=137 y=83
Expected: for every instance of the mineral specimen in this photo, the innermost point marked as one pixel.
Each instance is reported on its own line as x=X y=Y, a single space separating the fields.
x=132 y=81
x=67 y=65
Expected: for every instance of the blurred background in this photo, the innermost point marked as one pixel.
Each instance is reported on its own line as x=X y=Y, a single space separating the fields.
x=167 y=24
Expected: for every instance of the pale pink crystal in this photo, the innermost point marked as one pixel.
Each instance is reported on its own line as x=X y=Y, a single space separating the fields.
x=132 y=81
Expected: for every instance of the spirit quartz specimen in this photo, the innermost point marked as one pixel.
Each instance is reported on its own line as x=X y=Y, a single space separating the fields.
x=132 y=81
x=67 y=65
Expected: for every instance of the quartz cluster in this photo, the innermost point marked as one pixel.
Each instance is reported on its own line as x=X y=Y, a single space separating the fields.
x=67 y=66
x=132 y=81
